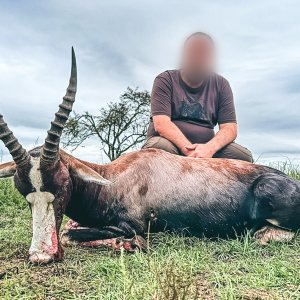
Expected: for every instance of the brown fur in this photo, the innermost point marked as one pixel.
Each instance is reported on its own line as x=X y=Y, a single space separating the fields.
x=10 y=164
x=7 y=169
x=235 y=168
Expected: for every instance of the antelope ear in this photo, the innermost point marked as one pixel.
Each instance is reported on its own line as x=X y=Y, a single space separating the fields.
x=87 y=174
x=7 y=169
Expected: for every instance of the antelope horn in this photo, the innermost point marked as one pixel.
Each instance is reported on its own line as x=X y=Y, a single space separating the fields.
x=51 y=147
x=18 y=153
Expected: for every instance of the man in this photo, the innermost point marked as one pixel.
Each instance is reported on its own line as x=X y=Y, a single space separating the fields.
x=187 y=104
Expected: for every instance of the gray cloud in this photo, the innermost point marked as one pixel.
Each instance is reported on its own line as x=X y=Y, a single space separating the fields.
x=127 y=43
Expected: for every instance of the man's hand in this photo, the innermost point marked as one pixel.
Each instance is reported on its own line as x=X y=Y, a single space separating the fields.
x=200 y=151
x=224 y=136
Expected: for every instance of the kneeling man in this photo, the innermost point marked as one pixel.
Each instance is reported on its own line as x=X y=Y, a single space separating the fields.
x=187 y=104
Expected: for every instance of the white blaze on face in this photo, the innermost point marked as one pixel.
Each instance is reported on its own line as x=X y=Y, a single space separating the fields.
x=44 y=238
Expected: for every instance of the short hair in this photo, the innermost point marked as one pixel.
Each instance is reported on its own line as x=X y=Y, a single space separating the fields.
x=200 y=34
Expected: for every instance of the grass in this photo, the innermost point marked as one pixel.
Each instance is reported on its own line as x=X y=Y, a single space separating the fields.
x=174 y=268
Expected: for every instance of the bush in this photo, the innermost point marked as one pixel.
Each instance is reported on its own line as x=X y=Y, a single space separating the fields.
x=9 y=196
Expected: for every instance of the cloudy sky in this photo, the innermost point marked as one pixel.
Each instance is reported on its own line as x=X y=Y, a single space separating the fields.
x=128 y=42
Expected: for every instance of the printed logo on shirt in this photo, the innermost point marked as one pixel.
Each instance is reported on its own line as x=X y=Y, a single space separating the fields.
x=192 y=110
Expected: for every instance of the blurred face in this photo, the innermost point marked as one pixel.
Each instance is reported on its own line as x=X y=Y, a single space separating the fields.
x=198 y=59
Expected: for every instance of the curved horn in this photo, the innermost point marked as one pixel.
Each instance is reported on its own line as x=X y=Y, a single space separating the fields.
x=51 y=146
x=18 y=153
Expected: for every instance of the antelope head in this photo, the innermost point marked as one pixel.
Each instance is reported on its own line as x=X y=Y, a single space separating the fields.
x=44 y=178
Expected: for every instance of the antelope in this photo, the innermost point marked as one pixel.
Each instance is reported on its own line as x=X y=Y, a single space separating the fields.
x=116 y=204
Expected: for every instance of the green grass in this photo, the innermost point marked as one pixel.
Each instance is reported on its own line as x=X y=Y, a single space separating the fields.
x=174 y=268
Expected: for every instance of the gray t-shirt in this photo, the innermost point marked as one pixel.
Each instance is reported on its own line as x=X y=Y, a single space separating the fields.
x=195 y=111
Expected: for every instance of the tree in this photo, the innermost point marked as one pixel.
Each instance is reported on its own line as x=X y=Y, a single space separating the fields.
x=120 y=127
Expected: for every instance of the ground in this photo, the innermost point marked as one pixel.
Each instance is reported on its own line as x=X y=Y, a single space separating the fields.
x=174 y=268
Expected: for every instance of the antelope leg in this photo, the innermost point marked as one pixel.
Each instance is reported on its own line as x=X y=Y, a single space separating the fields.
x=108 y=237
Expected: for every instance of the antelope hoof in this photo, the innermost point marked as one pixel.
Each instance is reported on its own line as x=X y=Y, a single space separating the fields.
x=65 y=239
x=268 y=233
x=135 y=244
x=129 y=245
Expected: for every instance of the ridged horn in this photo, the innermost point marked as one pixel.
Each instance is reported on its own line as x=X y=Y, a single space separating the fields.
x=18 y=153
x=50 y=149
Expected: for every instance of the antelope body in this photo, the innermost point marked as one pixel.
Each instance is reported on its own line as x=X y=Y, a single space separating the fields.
x=211 y=197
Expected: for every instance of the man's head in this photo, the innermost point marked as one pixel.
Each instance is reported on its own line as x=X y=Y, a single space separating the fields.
x=198 y=57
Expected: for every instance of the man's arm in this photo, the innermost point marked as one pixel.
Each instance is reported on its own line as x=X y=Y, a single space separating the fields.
x=167 y=129
x=161 y=99
x=227 y=134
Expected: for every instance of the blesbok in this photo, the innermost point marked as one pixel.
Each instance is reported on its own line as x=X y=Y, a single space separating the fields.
x=114 y=204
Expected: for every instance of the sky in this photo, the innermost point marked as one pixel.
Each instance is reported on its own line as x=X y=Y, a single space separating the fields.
x=128 y=42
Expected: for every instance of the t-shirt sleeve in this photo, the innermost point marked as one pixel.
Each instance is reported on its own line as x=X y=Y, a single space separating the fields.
x=161 y=95
x=226 y=109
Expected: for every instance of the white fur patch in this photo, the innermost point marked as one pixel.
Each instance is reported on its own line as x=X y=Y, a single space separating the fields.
x=44 y=239
x=89 y=175
x=93 y=178
x=273 y=222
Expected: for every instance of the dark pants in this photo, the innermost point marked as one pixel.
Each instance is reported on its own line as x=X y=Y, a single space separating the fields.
x=233 y=150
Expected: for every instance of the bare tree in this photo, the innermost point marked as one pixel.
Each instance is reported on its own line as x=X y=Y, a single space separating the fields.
x=120 y=127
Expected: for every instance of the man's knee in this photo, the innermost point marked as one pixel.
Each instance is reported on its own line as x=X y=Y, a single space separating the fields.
x=235 y=151
x=161 y=143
